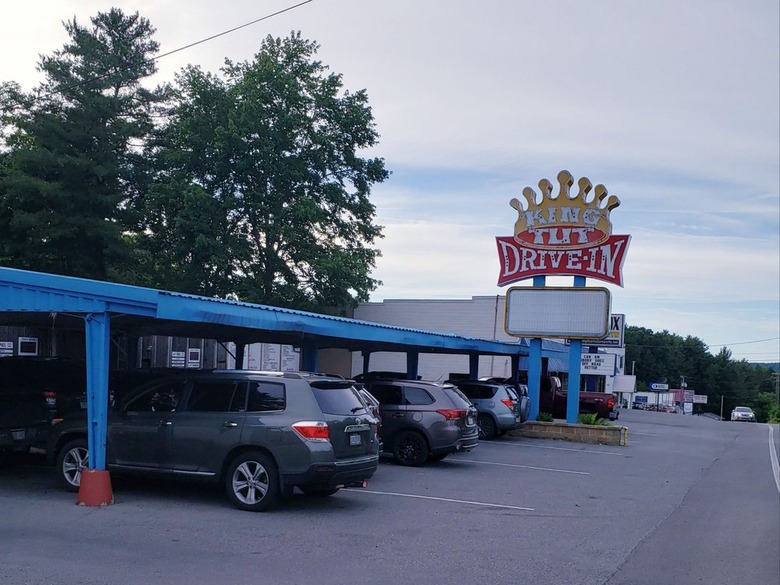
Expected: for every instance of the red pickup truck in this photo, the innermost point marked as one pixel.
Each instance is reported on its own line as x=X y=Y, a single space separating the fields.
x=552 y=399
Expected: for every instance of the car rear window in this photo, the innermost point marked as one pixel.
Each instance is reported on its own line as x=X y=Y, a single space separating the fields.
x=338 y=398
x=457 y=397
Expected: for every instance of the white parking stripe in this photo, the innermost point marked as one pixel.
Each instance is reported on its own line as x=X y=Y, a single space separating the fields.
x=450 y=500
x=560 y=449
x=525 y=466
x=773 y=457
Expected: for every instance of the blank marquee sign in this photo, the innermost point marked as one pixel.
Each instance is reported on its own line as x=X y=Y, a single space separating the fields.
x=574 y=313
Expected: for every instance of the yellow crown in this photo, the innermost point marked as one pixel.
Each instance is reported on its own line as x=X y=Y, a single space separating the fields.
x=564 y=221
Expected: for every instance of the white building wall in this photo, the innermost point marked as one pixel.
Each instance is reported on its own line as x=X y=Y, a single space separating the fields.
x=480 y=317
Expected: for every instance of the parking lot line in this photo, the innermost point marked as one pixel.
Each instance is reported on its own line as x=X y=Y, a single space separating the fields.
x=561 y=449
x=449 y=500
x=525 y=466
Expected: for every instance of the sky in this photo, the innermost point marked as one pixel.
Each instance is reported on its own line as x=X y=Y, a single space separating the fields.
x=673 y=106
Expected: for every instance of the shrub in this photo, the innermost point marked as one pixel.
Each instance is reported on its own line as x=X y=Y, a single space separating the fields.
x=591 y=418
x=544 y=417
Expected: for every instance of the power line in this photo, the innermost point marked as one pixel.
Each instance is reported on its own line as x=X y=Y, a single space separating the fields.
x=158 y=57
x=277 y=13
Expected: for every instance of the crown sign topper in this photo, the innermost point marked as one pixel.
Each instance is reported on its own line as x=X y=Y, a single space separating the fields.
x=563 y=234
x=564 y=221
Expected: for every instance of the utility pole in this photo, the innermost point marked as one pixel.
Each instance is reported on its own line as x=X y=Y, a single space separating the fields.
x=721 y=407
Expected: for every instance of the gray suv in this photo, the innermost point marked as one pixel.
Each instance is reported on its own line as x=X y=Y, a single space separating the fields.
x=500 y=407
x=259 y=433
x=423 y=421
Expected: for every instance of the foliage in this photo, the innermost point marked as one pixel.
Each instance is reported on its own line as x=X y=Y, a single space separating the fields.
x=260 y=192
x=545 y=417
x=767 y=408
x=667 y=357
x=591 y=418
x=70 y=164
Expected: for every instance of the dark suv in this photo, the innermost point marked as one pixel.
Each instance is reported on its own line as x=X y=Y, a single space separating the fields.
x=423 y=421
x=259 y=433
x=32 y=391
x=500 y=407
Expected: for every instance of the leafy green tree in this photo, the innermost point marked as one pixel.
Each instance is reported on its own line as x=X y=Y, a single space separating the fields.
x=262 y=193
x=72 y=162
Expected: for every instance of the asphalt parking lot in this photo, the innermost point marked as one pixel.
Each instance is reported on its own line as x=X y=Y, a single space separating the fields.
x=689 y=500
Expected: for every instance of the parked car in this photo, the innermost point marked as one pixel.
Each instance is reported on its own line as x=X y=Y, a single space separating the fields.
x=743 y=413
x=259 y=433
x=423 y=421
x=33 y=393
x=500 y=407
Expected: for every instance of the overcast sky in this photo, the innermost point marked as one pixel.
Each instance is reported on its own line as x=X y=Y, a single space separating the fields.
x=673 y=106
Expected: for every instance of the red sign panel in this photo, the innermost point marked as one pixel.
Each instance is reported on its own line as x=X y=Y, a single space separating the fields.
x=602 y=262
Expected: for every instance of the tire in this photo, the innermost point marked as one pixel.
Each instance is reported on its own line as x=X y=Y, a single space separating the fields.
x=437 y=457
x=487 y=427
x=72 y=459
x=410 y=449
x=252 y=482
x=318 y=492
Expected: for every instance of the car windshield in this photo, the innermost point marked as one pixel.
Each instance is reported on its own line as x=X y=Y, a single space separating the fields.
x=742 y=409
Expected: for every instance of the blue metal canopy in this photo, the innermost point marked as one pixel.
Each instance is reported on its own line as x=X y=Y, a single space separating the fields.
x=102 y=307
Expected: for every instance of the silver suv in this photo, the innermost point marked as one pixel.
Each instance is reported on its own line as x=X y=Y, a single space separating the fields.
x=259 y=433
x=500 y=407
x=423 y=421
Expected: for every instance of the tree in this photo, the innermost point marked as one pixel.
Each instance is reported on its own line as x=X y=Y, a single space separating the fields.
x=261 y=192
x=72 y=163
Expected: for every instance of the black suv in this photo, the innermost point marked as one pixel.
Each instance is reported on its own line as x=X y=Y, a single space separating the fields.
x=32 y=395
x=423 y=421
x=259 y=433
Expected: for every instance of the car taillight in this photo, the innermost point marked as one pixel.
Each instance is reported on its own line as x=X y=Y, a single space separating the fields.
x=451 y=413
x=51 y=398
x=509 y=402
x=312 y=430
x=611 y=403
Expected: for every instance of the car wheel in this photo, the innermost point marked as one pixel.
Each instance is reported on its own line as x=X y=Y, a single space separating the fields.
x=252 y=482
x=410 y=448
x=318 y=492
x=437 y=457
x=487 y=426
x=72 y=459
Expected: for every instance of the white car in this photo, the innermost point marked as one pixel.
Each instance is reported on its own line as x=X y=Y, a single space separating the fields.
x=743 y=413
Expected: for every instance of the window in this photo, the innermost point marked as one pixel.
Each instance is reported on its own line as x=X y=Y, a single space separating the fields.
x=163 y=397
x=265 y=396
x=415 y=395
x=214 y=395
x=387 y=394
x=341 y=399
x=28 y=346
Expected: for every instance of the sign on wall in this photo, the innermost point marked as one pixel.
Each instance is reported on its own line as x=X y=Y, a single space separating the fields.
x=563 y=235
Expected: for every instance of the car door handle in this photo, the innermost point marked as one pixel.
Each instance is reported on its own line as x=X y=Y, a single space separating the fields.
x=398 y=415
x=229 y=424
x=166 y=423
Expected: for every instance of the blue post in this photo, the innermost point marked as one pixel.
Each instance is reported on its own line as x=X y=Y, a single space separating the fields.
x=474 y=366
x=98 y=331
x=575 y=363
x=309 y=356
x=535 y=366
x=412 y=364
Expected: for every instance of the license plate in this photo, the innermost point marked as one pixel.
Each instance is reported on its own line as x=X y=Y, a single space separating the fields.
x=470 y=420
x=354 y=440
x=17 y=435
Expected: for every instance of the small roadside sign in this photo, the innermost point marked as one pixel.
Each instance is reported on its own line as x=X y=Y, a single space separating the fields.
x=658 y=387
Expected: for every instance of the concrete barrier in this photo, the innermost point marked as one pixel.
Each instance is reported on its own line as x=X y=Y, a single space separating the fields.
x=577 y=433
